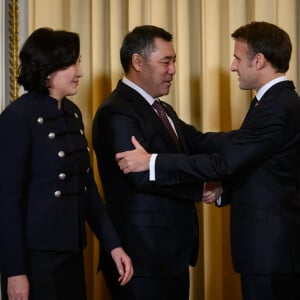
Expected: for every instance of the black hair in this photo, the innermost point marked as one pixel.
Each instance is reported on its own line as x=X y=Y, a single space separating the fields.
x=45 y=51
x=141 y=40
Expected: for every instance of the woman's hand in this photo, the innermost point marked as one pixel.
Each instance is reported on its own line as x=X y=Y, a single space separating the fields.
x=123 y=264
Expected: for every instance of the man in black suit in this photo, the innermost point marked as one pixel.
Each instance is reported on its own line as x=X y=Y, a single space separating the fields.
x=157 y=225
x=259 y=167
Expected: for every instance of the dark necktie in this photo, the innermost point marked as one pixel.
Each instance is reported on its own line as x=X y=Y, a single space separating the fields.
x=163 y=116
x=254 y=104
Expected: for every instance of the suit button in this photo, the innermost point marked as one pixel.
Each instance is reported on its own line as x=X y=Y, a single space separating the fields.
x=81 y=131
x=85 y=189
x=76 y=115
x=88 y=149
x=51 y=135
x=62 y=176
x=40 y=120
x=57 y=194
x=61 y=154
x=88 y=170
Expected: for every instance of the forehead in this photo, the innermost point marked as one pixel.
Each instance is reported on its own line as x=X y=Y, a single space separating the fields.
x=163 y=48
x=241 y=48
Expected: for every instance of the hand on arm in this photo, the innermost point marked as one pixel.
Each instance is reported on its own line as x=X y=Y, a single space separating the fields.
x=18 y=287
x=136 y=160
x=212 y=192
x=123 y=264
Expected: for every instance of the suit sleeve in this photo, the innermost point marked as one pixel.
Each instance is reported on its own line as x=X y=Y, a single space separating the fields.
x=112 y=132
x=253 y=144
x=198 y=142
x=98 y=218
x=15 y=156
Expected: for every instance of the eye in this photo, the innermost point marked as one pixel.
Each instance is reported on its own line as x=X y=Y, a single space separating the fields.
x=165 y=62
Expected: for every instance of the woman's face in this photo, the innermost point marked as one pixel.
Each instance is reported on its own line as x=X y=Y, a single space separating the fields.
x=64 y=82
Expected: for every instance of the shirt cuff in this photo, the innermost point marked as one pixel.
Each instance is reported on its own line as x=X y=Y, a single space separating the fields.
x=152 y=167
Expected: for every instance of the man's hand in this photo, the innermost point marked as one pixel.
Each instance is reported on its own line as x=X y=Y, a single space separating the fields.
x=18 y=287
x=136 y=160
x=123 y=264
x=212 y=192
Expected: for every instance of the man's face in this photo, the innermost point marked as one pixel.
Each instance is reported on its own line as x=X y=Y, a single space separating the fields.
x=244 y=66
x=158 y=69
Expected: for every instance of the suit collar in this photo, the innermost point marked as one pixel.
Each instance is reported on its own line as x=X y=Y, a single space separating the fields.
x=269 y=95
x=287 y=84
x=142 y=92
x=144 y=109
x=268 y=85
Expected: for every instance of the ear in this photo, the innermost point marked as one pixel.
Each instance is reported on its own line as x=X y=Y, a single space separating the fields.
x=260 y=61
x=137 y=61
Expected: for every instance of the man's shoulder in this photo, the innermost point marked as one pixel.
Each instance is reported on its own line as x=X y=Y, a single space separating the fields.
x=123 y=100
x=115 y=101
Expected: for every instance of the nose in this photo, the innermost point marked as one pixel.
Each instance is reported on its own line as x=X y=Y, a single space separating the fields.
x=233 y=67
x=172 y=68
x=79 y=72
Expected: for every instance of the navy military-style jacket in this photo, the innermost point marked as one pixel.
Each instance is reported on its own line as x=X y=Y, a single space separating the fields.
x=47 y=189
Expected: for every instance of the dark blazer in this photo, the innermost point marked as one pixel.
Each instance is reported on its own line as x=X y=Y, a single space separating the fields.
x=47 y=190
x=157 y=225
x=260 y=167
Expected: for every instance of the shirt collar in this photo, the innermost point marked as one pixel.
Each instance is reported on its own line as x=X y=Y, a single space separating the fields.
x=144 y=94
x=268 y=85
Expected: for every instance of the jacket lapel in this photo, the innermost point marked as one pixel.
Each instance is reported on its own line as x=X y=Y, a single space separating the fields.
x=147 y=113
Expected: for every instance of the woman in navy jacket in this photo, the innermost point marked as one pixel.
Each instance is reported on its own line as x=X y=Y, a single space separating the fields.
x=47 y=189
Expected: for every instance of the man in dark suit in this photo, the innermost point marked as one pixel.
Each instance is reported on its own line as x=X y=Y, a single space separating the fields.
x=259 y=167
x=157 y=225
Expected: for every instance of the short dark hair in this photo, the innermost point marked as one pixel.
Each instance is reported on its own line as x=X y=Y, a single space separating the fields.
x=268 y=39
x=141 y=40
x=45 y=51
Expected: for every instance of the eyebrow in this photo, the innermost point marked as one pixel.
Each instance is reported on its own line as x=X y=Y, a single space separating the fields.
x=169 y=57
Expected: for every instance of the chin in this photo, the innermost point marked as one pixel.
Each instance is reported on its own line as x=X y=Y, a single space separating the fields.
x=73 y=93
x=166 y=92
x=242 y=87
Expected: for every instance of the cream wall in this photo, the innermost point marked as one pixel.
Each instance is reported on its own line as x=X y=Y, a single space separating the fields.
x=204 y=92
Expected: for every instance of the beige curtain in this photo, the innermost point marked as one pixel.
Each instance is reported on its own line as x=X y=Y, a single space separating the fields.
x=204 y=92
